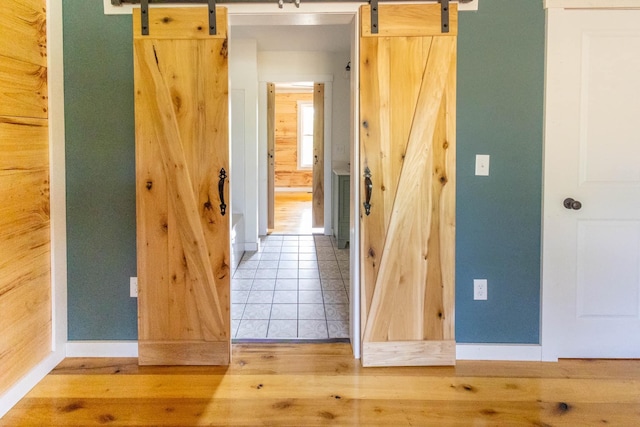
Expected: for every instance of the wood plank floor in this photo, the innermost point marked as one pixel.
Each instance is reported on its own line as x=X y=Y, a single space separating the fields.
x=292 y=213
x=321 y=384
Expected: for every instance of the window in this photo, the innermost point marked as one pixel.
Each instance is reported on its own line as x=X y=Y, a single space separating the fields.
x=305 y=135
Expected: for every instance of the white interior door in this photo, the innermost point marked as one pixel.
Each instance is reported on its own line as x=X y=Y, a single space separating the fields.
x=591 y=259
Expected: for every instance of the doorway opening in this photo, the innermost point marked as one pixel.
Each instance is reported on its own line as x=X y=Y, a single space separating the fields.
x=292 y=172
x=296 y=285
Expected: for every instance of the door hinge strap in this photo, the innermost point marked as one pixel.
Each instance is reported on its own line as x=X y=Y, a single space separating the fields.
x=444 y=7
x=144 y=17
x=212 y=17
x=374 y=16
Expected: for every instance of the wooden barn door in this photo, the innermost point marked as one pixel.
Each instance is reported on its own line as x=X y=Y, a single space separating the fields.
x=182 y=167
x=407 y=140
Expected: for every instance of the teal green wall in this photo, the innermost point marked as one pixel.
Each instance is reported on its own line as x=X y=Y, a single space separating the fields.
x=500 y=95
x=100 y=168
x=500 y=113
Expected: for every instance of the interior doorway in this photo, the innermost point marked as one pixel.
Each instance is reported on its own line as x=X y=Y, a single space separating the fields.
x=290 y=125
x=296 y=286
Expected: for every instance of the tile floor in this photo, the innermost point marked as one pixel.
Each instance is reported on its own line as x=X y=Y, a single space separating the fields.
x=295 y=287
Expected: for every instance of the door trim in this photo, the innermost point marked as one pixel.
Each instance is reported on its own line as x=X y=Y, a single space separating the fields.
x=592 y=4
x=58 y=209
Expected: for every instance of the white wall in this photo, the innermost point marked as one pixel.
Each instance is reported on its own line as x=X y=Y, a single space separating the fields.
x=243 y=76
x=341 y=121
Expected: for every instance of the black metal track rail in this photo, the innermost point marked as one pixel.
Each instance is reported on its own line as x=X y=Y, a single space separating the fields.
x=144 y=4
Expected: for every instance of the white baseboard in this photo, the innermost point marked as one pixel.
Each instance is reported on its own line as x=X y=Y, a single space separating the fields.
x=102 y=349
x=24 y=385
x=504 y=352
x=250 y=246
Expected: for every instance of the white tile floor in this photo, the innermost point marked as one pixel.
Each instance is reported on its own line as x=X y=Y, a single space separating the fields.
x=295 y=287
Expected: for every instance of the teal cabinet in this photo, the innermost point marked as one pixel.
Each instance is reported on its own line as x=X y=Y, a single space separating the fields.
x=340 y=196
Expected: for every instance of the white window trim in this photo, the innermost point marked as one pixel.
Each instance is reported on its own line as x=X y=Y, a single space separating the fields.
x=300 y=136
x=592 y=4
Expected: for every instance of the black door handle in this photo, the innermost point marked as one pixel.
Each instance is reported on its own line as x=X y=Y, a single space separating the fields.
x=223 y=205
x=368 y=189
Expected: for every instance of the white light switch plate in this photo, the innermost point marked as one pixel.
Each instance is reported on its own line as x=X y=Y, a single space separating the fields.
x=482 y=165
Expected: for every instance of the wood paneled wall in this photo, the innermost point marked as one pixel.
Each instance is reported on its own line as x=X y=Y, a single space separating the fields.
x=286 y=152
x=25 y=266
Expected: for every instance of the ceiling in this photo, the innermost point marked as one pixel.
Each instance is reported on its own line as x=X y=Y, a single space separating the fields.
x=312 y=38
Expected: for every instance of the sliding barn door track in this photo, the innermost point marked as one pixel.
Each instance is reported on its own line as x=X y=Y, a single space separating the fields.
x=144 y=6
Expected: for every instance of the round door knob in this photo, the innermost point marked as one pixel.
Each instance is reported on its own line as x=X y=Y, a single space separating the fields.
x=570 y=203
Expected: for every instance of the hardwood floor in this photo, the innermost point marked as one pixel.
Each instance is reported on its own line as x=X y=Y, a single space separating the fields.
x=292 y=213
x=321 y=384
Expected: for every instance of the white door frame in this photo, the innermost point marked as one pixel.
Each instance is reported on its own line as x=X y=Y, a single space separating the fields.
x=57 y=206
x=553 y=8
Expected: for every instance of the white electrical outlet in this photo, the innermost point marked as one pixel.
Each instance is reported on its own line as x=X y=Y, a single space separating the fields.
x=133 y=287
x=482 y=164
x=480 y=289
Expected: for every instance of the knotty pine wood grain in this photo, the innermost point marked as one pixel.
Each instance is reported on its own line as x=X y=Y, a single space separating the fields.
x=409 y=20
x=23 y=89
x=321 y=384
x=287 y=173
x=23 y=25
x=25 y=252
x=189 y=24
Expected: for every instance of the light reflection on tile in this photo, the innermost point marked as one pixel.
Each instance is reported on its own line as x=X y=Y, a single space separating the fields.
x=284 y=311
x=309 y=284
x=285 y=297
x=283 y=329
x=311 y=311
x=252 y=329
x=257 y=311
x=286 y=284
x=310 y=297
x=311 y=264
x=260 y=297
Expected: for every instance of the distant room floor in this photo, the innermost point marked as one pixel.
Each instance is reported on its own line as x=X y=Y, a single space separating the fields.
x=296 y=287
x=292 y=213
